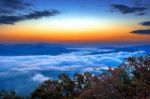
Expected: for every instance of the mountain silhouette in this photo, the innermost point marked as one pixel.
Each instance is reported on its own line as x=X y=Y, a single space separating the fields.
x=33 y=49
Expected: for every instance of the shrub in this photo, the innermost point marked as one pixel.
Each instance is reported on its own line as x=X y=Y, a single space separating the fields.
x=129 y=81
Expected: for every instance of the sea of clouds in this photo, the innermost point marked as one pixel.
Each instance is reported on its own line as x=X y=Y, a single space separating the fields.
x=24 y=73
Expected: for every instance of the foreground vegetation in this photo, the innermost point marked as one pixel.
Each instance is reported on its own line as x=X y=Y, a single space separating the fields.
x=129 y=81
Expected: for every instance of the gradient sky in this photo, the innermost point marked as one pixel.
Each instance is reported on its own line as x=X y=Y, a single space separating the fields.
x=74 y=21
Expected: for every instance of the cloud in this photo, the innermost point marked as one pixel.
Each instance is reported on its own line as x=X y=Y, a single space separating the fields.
x=33 y=15
x=34 y=69
x=12 y=11
x=146 y=32
x=39 y=14
x=40 y=78
x=141 y=2
x=73 y=62
x=142 y=13
x=11 y=6
x=95 y=69
x=124 y=9
x=147 y=23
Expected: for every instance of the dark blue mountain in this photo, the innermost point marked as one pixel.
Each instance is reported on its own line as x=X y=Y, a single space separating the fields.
x=142 y=47
x=33 y=49
x=145 y=48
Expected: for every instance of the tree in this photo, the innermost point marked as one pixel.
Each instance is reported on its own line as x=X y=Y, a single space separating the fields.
x=128 y=81
x=9 y=95
x=48 y=90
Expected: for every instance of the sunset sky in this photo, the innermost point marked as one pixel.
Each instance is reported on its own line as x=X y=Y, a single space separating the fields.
x=74 y=20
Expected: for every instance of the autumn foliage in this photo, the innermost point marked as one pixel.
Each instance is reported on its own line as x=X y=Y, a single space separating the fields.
x=129 y=81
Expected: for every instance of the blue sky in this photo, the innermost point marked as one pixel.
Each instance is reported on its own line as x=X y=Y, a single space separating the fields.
x=66 y=20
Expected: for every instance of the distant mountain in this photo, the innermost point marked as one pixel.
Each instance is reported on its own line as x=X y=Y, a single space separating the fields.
x=33 y=49
x=141 y=47
x=145 y=48
x=57 y=49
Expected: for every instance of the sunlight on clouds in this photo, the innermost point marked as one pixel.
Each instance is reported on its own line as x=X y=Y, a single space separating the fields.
x=40 y=78
x=74 y=24
x=71 y=25
x=73 y=29
x=36 y=68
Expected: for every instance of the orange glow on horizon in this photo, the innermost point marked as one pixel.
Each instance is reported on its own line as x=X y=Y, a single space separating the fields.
x=78 y=31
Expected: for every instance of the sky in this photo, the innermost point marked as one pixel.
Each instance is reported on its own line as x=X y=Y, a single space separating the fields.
x=74 y=21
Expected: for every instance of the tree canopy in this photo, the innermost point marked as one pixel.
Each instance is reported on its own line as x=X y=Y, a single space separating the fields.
x=131 y=80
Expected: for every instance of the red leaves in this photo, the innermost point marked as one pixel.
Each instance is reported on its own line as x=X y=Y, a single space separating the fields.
x=129 y=81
